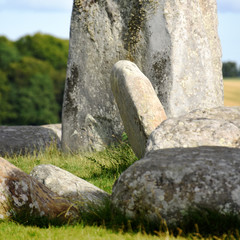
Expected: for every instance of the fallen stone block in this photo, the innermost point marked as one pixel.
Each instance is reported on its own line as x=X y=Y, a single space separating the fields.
x=22 y=140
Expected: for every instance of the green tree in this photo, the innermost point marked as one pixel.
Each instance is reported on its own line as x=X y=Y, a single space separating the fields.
x=8 y=53
x=6 y=110
x=32 y=76
x=50 y=49
x=32 y=95
x=46 y=48
x=229 y=69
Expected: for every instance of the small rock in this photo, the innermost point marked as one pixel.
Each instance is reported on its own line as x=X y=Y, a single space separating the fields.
x=68 y=185
x=57 y=128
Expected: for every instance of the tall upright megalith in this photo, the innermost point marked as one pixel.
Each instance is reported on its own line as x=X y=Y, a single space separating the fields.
x=184 y=55
x=174 y=43
x=90 y=118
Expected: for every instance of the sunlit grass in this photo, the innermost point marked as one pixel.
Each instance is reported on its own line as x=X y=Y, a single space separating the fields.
x=14 y=231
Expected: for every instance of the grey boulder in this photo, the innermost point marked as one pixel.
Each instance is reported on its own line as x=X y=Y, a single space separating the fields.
x=27 y=139
x=203 y=127
x=167 y=182
x=68 y=185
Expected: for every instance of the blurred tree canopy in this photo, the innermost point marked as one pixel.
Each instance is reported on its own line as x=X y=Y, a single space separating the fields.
x=230 y=69
x=8 y=53
x=32 y=76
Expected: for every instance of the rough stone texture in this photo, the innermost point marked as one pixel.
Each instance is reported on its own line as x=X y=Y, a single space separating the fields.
x=27 y=139
x=139 y=107
x=57 y=128
x=167 y=182
x=174 y=43
x=22 y=194
x=204 y=127
x=90 y=117
x=184 y=56
x=68 y=185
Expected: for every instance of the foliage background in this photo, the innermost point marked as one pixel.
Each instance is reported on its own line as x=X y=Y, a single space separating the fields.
x=32 y=76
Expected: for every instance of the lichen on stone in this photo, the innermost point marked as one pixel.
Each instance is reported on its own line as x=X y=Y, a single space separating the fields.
x=140 y=11
x=83 y=5
x=85 y=11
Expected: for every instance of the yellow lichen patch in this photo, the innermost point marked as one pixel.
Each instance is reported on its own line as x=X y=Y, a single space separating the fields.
x=83 y=5
x=86 y=11
x=140 y=11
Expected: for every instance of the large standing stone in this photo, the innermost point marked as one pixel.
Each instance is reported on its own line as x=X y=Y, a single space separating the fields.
x=68 y=185
x=139 y=106
x=174 y=43
x=203 y=127
x=168 y=182
x=90 y=117
x=184 y=55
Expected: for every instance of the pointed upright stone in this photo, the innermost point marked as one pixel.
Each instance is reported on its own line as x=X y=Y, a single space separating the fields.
x=139 y=107
x=174 y=43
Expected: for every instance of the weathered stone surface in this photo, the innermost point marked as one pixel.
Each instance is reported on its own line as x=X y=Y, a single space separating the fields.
x=57 y=128
x=167 y=182
x=22 y=194
x=204 y=127
x=174 y=43
x=27 y=139
x=68 y=185
x=139 y=107
x=90 y=117
x=184 y=56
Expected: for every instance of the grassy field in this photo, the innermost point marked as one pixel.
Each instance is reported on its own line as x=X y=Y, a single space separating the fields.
x=232 y=92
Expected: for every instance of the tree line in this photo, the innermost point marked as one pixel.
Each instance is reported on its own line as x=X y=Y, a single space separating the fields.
x=230 y=70
x=32 y=76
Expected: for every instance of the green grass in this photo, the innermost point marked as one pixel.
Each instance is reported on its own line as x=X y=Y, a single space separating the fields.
x=232 y=92
x=14 y=231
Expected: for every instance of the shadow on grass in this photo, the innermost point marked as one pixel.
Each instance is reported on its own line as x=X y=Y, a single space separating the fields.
x=199 y=222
